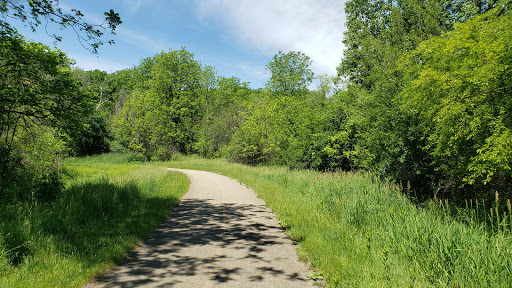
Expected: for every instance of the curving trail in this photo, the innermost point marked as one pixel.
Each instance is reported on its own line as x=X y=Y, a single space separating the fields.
x=221 y=235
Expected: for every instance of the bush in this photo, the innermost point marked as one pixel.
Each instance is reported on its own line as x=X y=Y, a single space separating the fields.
x=31 y=167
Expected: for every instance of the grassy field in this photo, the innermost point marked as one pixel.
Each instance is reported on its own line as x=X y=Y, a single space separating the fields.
x=356 y=230
x=107 y=207
x=359 y=232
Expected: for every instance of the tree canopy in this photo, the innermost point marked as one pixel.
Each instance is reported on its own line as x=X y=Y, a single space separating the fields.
x=422 y=91
x=290 y=73
x=461 y=83
x=41 y=12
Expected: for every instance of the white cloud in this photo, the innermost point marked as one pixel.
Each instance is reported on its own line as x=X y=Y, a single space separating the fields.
x=133 y=6
x=314 y=27
x=92 y=63
x=140 y=40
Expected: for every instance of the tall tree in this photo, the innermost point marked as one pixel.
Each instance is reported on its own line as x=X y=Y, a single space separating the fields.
x=290 y=73
x=379 y=32
x=161 y=116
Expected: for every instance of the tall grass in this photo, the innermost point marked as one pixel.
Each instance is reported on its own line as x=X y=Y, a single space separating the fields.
x=104 y=211
x=360 y=232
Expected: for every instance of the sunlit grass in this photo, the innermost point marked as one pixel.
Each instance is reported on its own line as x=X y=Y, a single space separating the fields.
x=360 y=232
x=107 y=207
x=356 y=230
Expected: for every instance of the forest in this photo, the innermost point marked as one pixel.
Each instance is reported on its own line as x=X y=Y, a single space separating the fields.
x=422 y=99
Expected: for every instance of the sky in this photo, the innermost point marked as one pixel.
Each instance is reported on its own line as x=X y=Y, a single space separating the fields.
x=237 y=37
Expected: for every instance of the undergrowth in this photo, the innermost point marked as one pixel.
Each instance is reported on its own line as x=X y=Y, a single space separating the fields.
x=107 y=207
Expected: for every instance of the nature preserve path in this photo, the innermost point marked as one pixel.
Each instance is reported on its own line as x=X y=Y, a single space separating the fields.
x=221 y=235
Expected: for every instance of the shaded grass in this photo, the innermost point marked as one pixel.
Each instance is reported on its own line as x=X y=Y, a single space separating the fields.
x=104 y=211
x=360 y=232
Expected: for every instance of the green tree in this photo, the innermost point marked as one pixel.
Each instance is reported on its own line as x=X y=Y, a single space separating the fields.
x=290 y=73
x=161 y=117
x=460 y=85
x=39 y=100
x=37 y=87
x=321 y=138
x=389 y=138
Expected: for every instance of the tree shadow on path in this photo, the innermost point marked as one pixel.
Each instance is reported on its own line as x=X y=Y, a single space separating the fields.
x=216 y=244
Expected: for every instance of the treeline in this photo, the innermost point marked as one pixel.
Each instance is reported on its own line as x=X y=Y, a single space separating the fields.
x=429 y=94
x=171 y=103
x=422 y=97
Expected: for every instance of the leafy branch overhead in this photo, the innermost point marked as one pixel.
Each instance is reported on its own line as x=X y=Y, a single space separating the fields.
x=42 y=12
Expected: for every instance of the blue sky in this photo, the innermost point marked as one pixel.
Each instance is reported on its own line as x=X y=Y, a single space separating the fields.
x=237 y=37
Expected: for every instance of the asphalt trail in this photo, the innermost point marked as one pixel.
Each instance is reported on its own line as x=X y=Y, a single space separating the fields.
x=221 y=235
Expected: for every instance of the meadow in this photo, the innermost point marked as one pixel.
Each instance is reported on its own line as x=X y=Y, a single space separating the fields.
x=354 y=229
x=108 y=206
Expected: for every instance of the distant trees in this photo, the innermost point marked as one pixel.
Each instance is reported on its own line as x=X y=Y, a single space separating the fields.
x=269 y=122
x=262 y=133
x=225 y=105
x=176 y=105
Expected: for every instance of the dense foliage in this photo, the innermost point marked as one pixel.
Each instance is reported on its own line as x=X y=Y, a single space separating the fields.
x=43 y=110
x=422 y=98
x=422 y=101
x=40 y=101
x=460 y=88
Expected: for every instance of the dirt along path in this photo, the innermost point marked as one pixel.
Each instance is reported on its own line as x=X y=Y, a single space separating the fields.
x=221 y=235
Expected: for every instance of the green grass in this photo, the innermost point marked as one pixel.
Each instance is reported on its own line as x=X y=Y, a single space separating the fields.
x=358 y=231
x=107 y=207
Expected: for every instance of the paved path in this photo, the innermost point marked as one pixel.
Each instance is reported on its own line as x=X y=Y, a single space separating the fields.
x=221 y=235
